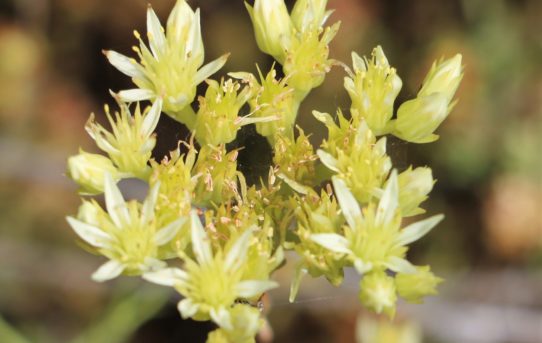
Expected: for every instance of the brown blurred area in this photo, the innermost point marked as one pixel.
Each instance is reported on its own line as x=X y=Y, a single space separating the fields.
x=488 y=163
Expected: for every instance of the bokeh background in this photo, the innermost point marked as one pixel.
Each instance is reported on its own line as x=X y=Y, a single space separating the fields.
x=488 y=163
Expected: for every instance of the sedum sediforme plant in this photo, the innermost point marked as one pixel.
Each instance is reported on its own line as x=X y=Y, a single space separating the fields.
x=217 y=240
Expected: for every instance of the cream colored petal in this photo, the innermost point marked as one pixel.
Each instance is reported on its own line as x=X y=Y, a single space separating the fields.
x=151 y=118
x=237 y=254
x=89 y=233
x=114 y=202
x=108 y=271
x=332 y=241
x=135 y=94
x=210 y=68
x=124 y=64
x=417 y=230
x=347 y=201
x=166 y=277
x=200 y=241
x=389 y=202
x=168 y=232
x=251 y=288
x=157 y=39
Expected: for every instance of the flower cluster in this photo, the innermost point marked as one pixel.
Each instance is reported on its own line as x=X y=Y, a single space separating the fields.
x=217 y=240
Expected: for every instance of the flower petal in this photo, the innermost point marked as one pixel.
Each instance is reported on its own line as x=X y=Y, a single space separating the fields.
x=89 y=233
x=222 y=318
x=328 y=160
x=296 y=282
x=124 y=64
x=168 y=232
x=157 y=39
x=296 y=186
x=108 y=271
x=332 y=241
x=200 y=241
x=166 y=277
x=237 y=254
x=349 y=204
x=251 y=288
x=147 y=210
x=114 y=202
x=361 y=266
x=151 y=119
x=210 y=68
x=389 y=202
x=400 y=265
x=135 y=94
x=415 y=231
x=187 y=308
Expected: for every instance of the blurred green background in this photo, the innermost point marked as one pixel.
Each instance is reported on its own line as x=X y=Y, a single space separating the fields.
x=488 y=163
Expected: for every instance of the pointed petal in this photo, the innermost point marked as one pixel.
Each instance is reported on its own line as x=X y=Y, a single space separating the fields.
x=151 y=119
x=168 y=232
x=221 y=317
x=166 y=277
x=332 y=241
x=147 y=210
x=361 y=266
x=251 y=288
x=135 y=94
x=238 y=251
x=114 y=202
x=296 y=186
x=296 y=282
x=415 y=231
x=157 y=39
x=328 y=160
x=200 y=243
x=400 y=265
x=389 y=202
x=108 y=271
x=187 y=308
x=210 y=68
x=89 y=233
x=124 y=64
x=349 y=204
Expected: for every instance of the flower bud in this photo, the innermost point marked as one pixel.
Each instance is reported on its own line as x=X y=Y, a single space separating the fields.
x=373 y=87
x=307 y=62
x=88 y=170
x=309 y=14
x=272 y=27
x=444 y=77
x=217 y=120
x=413 y=287
x=417 y=119
x=377 y=292
x=414 y=185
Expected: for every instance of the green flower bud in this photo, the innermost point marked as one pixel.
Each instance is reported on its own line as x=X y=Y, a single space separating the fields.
x=217 y=120
x=272 y=27
x=364 y=165
x=444 y=77
x=414 y=186
x=377 y=292
x=373 y=87
x=417 y=119
x=131 y=141
x=273 y=105
x=309 y=14
x=295 y=159
x=307 y=62
x=218 y=172
x=318 y=215
x=415 y=286
x=88 y=171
